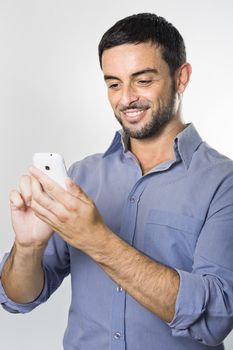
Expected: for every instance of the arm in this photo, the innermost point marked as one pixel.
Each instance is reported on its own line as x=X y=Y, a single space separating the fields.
x=22 y=275
x=208 y=315
x=56 y=266
x=197 y=304
x=153 y=285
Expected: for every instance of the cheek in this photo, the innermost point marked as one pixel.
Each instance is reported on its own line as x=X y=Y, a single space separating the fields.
x=160 y=97
x=113 y=100
x=151 y=94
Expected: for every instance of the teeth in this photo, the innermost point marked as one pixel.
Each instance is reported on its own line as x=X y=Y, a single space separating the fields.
x=133 y=113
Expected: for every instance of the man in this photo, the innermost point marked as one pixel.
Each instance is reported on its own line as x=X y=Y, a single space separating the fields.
x=147 y=237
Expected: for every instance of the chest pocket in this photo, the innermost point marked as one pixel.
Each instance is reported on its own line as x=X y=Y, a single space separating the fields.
x=171 y=238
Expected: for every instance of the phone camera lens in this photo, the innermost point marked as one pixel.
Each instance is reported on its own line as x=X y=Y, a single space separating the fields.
x=51 y=154
x=47 y=167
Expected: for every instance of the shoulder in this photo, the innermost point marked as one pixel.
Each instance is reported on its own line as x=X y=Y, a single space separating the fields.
x=209 y=159
x=86 y=165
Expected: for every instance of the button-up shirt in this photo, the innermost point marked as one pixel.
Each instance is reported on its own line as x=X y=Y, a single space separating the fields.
x=179 y=214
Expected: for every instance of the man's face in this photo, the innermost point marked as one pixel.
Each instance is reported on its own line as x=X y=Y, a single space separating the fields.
x=140 y=88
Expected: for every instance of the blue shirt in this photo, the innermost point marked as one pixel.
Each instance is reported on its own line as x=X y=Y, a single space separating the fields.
x=179 y=214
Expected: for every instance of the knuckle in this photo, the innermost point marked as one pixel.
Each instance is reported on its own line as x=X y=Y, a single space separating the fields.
x=37 y=197
x=71 y=205
x=62 y=216
x=49 y=187
x=27 y=197
x=15 y=199
x=33 y=205
x=25 y=186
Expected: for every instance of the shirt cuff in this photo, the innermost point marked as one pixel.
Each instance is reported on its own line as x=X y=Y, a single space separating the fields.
x=188 y=309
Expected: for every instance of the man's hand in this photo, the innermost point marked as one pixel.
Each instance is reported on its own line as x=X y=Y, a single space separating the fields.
x=22 y=275
x=71 y=213
x=29 y=229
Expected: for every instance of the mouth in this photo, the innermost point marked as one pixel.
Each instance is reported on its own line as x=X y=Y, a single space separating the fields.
x=134 y=115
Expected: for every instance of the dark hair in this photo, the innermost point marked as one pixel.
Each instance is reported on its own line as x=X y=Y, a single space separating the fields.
x=147 y=27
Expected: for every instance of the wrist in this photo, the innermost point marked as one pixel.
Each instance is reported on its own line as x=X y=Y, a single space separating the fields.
x=35 y=249
x=103 y=246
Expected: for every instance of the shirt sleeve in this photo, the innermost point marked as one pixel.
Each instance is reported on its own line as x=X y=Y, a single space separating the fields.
x=204 y=306
x=56 y=265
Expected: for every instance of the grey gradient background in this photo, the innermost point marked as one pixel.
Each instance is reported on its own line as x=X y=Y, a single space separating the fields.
x=53 y=98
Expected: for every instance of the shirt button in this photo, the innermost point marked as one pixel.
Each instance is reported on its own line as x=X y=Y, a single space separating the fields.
x=119 y=289
x=117 y=335
x=132 y=200
x=199 y=339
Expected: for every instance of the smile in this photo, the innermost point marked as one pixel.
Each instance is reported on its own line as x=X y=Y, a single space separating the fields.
x=134 y=115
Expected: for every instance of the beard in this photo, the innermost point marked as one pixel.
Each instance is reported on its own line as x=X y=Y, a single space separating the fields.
x=159 y=119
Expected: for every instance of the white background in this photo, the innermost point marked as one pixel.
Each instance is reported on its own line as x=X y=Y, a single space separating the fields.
x=53 y=98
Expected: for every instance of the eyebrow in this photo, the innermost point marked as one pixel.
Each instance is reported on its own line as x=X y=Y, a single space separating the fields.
x=147 y=70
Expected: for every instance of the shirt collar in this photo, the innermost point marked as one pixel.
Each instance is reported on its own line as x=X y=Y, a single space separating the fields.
x=120 y=140
x=185 y=143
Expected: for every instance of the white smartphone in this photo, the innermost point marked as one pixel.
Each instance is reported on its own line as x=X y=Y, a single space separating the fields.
x=53 y=165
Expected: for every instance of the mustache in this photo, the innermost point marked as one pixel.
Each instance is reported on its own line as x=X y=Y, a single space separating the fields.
x=135 y=105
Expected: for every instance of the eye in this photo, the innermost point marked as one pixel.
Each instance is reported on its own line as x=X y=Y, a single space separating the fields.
x=145 y=82
x=113 y=86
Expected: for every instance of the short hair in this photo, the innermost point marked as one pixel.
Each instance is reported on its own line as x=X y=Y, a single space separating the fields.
x=147 y=27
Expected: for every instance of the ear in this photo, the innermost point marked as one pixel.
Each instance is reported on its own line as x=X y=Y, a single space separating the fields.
x=182 y=77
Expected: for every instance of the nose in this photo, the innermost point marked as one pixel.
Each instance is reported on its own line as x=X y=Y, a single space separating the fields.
x=128 y=95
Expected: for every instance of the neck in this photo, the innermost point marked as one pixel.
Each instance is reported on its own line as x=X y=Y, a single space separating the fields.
x=157 y=149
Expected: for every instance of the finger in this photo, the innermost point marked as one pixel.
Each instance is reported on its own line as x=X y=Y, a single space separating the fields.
x=46 y=220
x=44 y=205
x=76 y=191
x=53 y=220
x=25 y=188
x=53 y=189
x=55 y=226
x=16 y=200
x=39 y=195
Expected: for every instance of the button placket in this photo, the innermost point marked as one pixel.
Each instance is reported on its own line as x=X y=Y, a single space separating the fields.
x=119 y=299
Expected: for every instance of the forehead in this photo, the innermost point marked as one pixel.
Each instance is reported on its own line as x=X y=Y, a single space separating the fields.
x=129 y=58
